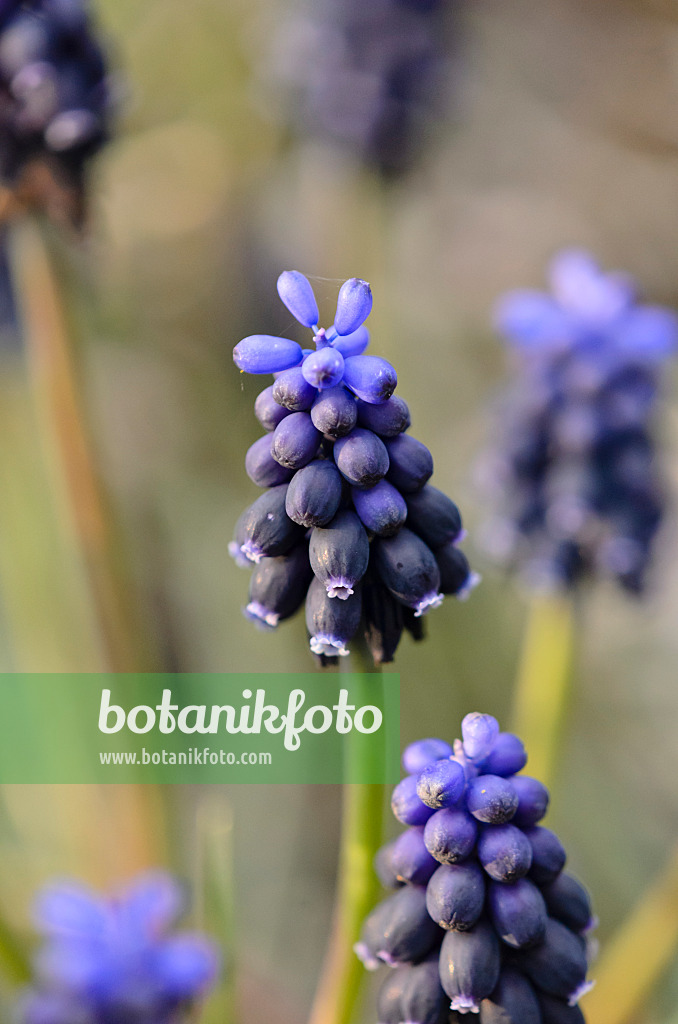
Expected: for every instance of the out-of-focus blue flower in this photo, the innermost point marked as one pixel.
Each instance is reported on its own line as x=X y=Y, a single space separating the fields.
x=573 y=474
x=116 y=960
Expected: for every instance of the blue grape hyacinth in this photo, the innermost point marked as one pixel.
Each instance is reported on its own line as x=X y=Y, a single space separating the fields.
x=116 y=960
x=370 y=78
x=483 y=918
x=574 y=474
x=55 y=102
x=348 y=521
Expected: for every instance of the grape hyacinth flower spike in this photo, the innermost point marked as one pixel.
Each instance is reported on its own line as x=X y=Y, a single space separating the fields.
x=510 y=926
x=348 y=523
x=56 y=104
x=118 y=958
x=574 y=474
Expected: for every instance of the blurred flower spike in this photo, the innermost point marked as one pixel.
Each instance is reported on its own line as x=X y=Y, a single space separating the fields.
x=116 y=960
x=55 y=105
x=573 y=474
x=348 y=522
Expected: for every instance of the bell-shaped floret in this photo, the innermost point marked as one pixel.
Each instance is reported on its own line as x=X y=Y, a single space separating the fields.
x=411 y=463
x=278 y=586
x=381 y=508
x=548 y=854
x=533 y=800
x=492 y=799
x=267 y=410
x=469 y=966
x=261 y=467
x=371 y=378
x=513 y=1001
x=434 y=517
x=263 y=353
x=388 y=419
x=399 y=929
x=339 y=554
x=354 y=304
x=450 y=835
x=409 y=858
x=406 y=805
x=295 y=291
x=295 y=441
x=441 y=784
x=558 y=965
x=569 y=902
x=266 y=528
x=423 y=998
x=314 y=494
x=331 y=623
x=455 y=896
x=505 y=852
x=409 y=570
x=518 y=912
x=361 y=457
x=293 y=391
x=334 y=412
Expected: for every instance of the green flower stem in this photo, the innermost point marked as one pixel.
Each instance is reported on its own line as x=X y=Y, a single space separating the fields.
x=543 y=683
x=56 y=389
x=638 y=953
x=357 y=884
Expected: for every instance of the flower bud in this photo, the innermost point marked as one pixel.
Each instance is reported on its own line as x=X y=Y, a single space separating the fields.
x=354 y=305
x=339 y=554
x=441 y=784
x=409 y=570
x=268 y=411
x=361 y=457
x=469 y=966
x=422 y=752
x=548 y=854
x=371 y=378
x=558 y=965
x=314 y=494
x=381 y=508
x=261 y=467
x=406 y=805
x=388 y=419
x=262 y=353
x=267 y=529
x=353 y=344
x=513 y=1001
x=295 y=441
x=569 y=902
x=409 y=858
x=399 y=929
x=330 y=623
x=491 y=799
x=433 y=516
x=323 y=368
x=423 y=999
x=295 y=291
x=455 y=896
x=334 y=412
x=278 y=586
x=518 y=912
x=505 y=852
x=450 y=835
x=479 y=734
x=533 y=800
x=411 y=463
x=506 y=757
x=293 y=390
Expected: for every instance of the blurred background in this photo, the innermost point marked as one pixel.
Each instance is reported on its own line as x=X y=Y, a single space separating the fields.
x=554 y=125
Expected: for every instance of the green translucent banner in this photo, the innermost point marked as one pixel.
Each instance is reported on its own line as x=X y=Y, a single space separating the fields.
x=199 y=728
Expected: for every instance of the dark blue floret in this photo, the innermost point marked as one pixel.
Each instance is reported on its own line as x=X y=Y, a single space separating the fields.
x=505 y=852
x=390 y=996
x=295 y=291
x=533 y=800
x=434 y=516
x=267 y=528
x=469 y=966
x=384 y=620
x=267 y=410
x=456 y=577
x=278 y=586
x=384 y=867
x=409 y=570
x=261 y=467
x=506 y=757
x=423 y=998
x=409 y=858
x=381 y=508
x=558 y=1011
x=558 y=965
x=399 y=930
x=314 y=494
x=293 y=391
x=295 y=441
x=441 y=784
x=411 y=463
x=371 y=378
x=569 y=902
x=406 y=804
x=455 y=896
x=492 y=799
x=518 y=912
x=513 y=1001
x=334 y=412
x=331 y=623
x=339 y=554
x=361 y=458
x=450 y=835
x=388 y=419
x=548 y=854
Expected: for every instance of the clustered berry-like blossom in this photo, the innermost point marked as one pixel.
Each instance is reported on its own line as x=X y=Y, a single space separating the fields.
x=348 y=520
x=484 y=919
x=116 y=960
x=574 y=472
x=54 y=96
x=370 y=76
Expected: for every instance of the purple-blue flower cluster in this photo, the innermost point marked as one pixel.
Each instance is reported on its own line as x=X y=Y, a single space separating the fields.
x=348 y=521
x=116 y=960
x=483 y=918
x=370 y=77
x=54 y=92
x=574 y=472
